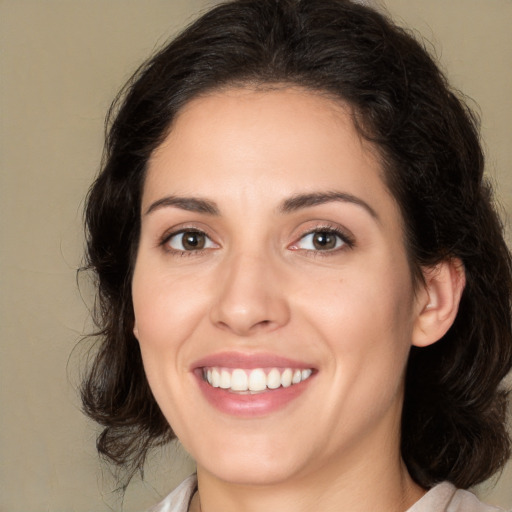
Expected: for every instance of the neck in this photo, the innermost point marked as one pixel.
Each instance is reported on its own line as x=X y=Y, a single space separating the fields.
x=372 y=484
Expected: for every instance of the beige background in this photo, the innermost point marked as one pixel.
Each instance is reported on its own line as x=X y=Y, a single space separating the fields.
x=61 y=63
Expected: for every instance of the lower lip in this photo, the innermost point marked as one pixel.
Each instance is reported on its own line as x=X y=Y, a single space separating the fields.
x=250 y=405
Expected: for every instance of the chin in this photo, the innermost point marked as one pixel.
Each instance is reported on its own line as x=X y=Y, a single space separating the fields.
x=247 y=471
x=251 y=463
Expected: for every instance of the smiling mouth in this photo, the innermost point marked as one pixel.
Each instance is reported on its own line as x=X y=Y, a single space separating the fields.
x=257 y=380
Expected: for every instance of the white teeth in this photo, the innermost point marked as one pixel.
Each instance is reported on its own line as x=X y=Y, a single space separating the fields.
x=306 y=374
x=274 y=379
x=257 y=380
x=254 y=381
x=239 y=381
x=215 y=378
x=286 y=378
x=225 y=379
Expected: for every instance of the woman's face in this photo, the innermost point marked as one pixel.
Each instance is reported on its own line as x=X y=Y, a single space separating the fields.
x=271 y=257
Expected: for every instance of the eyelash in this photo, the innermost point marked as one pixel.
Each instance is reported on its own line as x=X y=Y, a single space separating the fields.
x=347 y=241
x=166 y=239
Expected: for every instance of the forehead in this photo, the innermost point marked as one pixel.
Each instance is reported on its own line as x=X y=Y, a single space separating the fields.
x=249 y=113
x=278 y=141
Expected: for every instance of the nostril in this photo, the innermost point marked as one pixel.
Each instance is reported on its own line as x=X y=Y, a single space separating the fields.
x=243 y=328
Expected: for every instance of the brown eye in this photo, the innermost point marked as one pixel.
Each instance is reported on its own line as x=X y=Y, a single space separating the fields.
x=190 y=241
x=321 y=240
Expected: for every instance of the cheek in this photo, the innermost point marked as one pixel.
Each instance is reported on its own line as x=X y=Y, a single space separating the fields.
x=366 y=318
x=166 y=314
x=167 y=309
x=362 y=300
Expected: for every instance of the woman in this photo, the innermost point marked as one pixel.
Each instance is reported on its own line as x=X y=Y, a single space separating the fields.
x=301 y=274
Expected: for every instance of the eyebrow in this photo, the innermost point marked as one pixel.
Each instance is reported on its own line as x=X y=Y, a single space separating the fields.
x=294 y=203
x=191 y=204
x=300 y=201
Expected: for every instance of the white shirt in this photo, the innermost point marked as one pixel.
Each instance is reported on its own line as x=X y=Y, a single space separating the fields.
x=444 y=497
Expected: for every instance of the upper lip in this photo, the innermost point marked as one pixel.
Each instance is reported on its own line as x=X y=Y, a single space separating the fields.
x=248 y=361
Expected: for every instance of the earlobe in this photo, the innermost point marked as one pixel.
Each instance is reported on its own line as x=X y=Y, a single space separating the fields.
x=135 y=330
x=438 y=302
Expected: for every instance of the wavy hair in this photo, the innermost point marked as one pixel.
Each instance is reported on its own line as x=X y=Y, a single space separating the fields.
x=453 y=422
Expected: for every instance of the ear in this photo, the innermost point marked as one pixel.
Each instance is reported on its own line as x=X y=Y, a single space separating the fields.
x=438 y=301
x=135 y=330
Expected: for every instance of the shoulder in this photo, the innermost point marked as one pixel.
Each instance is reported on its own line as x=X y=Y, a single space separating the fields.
x=179 y=499
x=445 y=497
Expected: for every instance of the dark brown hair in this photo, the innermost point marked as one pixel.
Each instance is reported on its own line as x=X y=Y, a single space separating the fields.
x=453 y=425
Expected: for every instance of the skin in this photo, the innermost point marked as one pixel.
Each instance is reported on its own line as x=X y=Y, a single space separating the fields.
x=260 y=286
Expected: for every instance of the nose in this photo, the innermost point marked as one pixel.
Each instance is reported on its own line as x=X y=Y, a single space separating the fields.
x=250 y=297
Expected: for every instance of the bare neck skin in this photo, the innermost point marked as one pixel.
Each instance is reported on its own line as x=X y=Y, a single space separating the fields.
x=392 y=493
